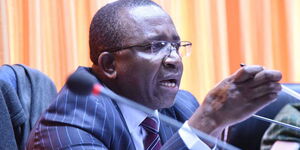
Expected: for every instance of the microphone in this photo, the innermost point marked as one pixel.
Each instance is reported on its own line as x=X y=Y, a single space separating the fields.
x=81 y=83
x=85 y=84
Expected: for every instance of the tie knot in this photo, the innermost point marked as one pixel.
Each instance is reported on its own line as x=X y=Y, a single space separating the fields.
x=150 y=124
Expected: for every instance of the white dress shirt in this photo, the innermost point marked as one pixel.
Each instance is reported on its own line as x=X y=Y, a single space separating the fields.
x=134 y=118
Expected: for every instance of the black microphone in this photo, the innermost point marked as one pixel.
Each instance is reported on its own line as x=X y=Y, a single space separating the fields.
x=81 y=83
x=85 y=84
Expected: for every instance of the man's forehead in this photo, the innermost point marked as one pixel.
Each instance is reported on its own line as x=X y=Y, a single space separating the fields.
x=174 y=37
x=148 y=12
x=152 y=20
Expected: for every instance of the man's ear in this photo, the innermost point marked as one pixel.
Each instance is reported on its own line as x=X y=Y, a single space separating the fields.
x=106 y=61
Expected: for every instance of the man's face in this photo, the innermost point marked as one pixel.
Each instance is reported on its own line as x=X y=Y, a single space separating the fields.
x=150 y=79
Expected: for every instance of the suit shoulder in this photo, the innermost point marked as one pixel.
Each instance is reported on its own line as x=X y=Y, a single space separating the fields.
x=185 y=105
x=184 y=97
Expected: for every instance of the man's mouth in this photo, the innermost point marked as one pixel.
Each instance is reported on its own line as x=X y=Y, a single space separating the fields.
x=171 y=83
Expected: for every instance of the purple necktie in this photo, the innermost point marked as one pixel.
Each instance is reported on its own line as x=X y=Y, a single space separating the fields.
x=152 y=140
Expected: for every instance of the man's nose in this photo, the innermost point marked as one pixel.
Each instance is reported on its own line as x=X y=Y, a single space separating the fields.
x=172 y=60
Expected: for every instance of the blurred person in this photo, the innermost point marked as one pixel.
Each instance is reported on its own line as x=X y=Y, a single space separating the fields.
x=135 y=50
x=278 y=137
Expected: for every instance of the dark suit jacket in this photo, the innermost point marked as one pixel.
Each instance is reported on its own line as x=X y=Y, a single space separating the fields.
x=95 y=122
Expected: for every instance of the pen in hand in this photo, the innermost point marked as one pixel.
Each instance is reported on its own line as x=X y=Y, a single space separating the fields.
x=287 y=91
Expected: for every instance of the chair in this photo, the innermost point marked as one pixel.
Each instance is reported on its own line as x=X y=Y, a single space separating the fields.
x=247 y=135
x=25 y=94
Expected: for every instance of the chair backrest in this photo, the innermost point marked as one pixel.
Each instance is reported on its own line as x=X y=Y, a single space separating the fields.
x=247 y=135
x=25 y=94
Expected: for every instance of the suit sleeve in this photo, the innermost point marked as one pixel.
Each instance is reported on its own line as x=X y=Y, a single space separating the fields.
x=175 y=142
x=81 y=140
x=66 y=137
x=80 y=122
x=68 y=124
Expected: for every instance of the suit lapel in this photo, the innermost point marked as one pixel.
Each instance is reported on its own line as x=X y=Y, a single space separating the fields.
x=129 y=142
x=166 y=131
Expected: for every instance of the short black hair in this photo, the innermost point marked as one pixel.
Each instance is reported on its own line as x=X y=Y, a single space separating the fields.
x=107 y=30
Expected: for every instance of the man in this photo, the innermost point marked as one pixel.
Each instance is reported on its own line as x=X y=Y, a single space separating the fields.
x=135 y=51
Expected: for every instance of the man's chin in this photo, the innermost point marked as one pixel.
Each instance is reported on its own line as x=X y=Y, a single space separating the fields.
x=168 y=105
x=166 y=102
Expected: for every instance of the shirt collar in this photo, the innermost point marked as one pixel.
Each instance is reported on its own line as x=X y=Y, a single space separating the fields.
x=133 y=122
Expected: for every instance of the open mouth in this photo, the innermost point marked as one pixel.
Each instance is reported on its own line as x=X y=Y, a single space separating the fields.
x=171 y=83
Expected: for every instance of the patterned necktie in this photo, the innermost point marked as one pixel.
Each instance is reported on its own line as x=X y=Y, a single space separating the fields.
x=152 y=140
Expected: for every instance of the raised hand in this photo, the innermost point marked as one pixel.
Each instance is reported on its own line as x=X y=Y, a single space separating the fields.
x=236 y=98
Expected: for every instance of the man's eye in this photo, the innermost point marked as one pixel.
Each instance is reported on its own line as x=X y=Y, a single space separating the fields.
x=158 y=46
x=161 y=44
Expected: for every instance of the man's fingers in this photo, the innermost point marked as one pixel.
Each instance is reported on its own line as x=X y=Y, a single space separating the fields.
x=265 y=89
x=264 y=100
x=264 y=77
x=260 y=102
x=245 y=73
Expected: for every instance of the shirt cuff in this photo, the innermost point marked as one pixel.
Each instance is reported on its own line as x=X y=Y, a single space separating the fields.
x=190 y=139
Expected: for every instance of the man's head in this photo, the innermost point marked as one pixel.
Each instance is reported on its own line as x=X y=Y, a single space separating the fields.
x=127 y=57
